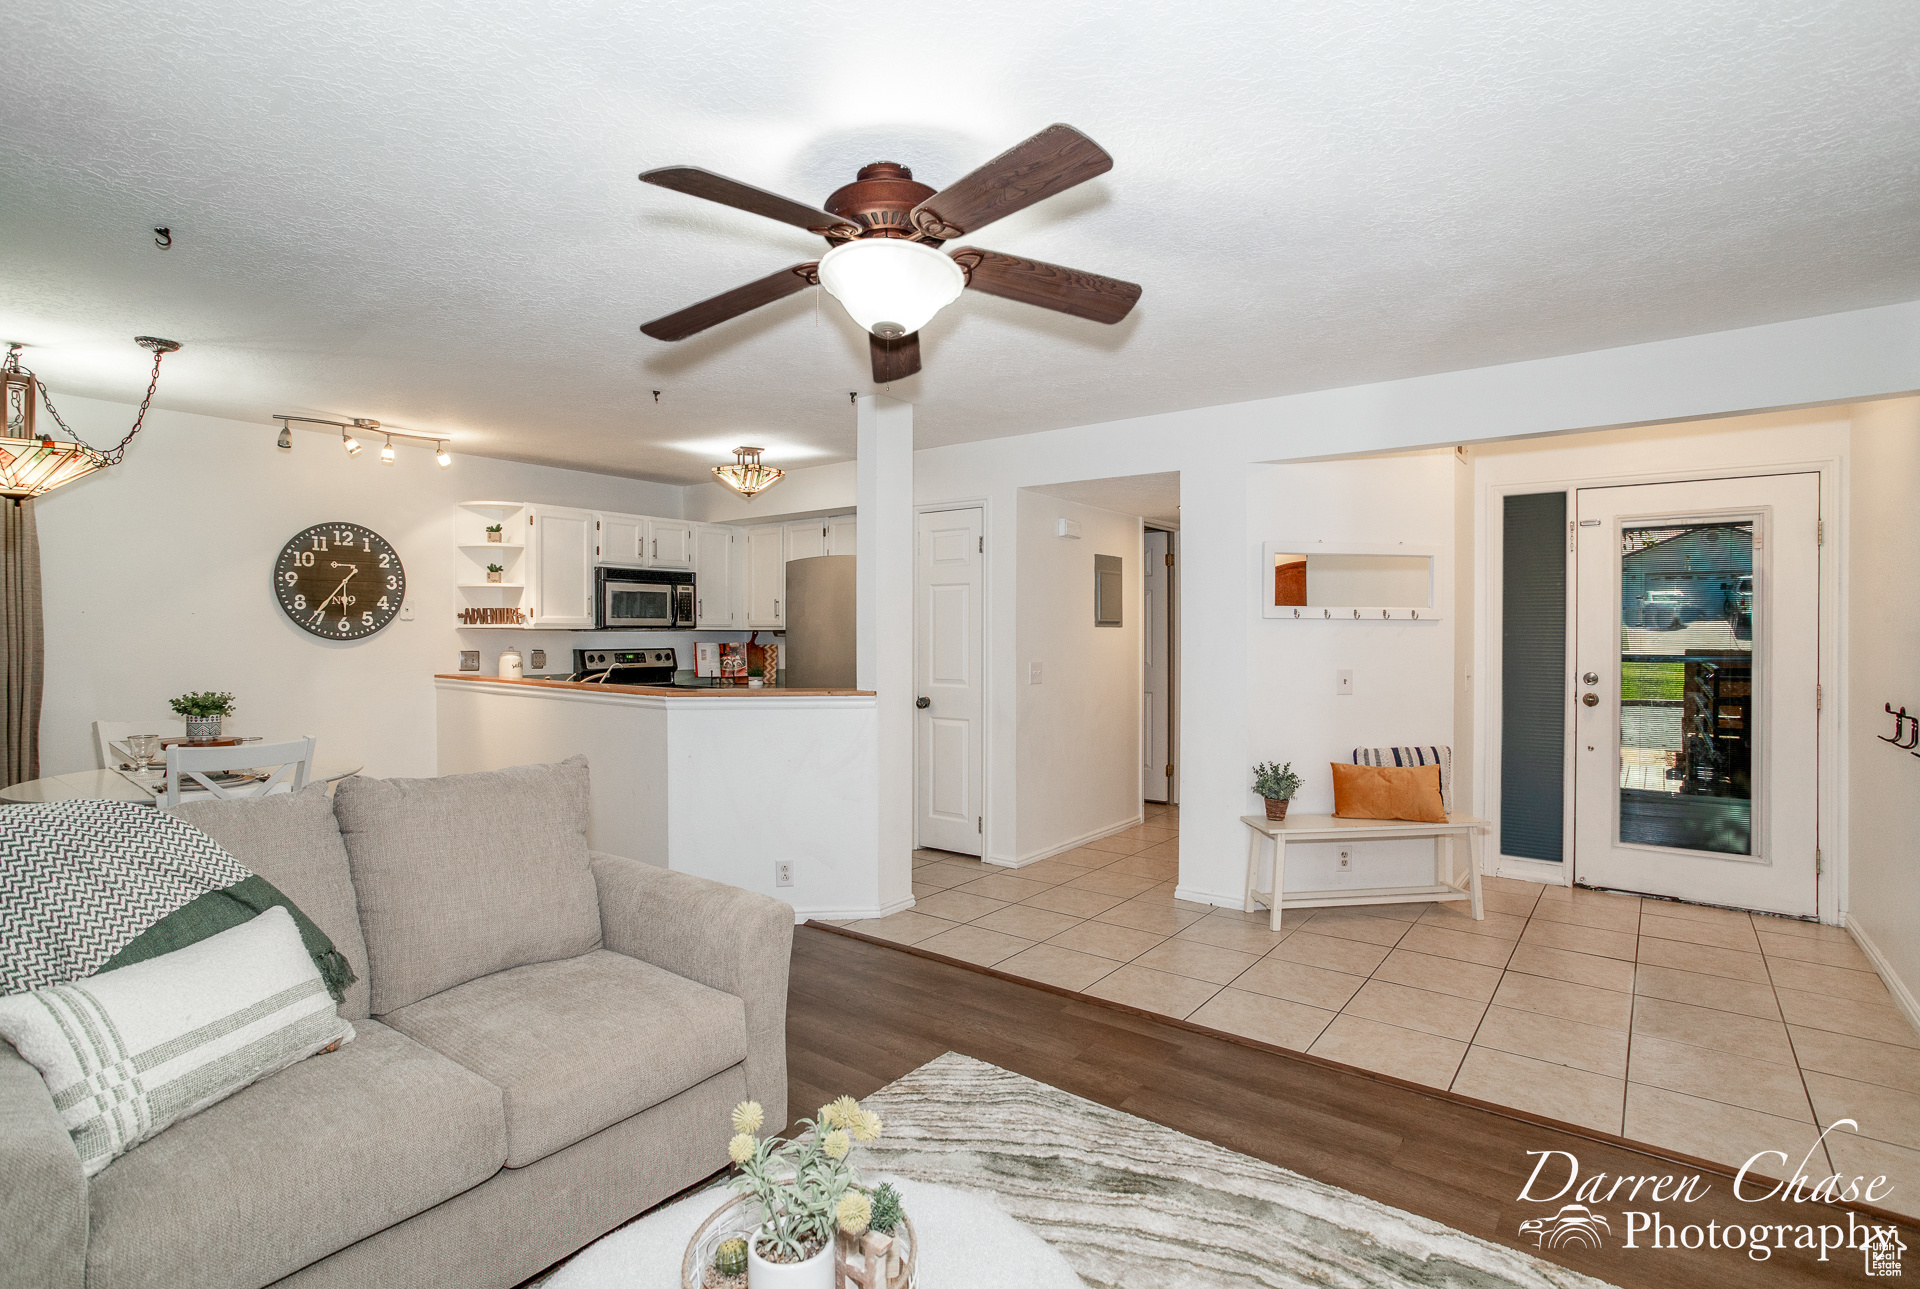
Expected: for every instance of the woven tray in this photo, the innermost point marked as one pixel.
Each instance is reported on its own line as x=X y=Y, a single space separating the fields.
x=861 y=1263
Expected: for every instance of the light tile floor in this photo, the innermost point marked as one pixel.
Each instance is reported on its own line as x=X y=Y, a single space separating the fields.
x=1715 y=1033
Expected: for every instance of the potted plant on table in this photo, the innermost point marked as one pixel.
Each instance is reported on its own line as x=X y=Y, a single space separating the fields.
x=806 y=1193
x=204 y=712
x=1276 y=783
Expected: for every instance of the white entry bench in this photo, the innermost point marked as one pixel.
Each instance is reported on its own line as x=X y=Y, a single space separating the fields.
x=1278 y=832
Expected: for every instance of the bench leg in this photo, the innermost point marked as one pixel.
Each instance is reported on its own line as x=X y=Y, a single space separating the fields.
x=1279 y=880
x=1253 y=871
x=1473 y=873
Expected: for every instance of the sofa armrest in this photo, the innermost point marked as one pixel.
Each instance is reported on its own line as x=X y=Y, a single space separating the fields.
x=43 y=1193
x=724 y=937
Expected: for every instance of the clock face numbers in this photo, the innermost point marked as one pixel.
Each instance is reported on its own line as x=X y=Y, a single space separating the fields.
x=339 y=581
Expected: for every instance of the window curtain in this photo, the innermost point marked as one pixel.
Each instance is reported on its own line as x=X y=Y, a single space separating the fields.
x=22 y=643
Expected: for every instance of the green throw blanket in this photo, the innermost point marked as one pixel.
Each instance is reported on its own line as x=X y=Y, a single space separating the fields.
x=86 y=886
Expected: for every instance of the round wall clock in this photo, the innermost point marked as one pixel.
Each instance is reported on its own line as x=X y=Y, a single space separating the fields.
x=340 y=581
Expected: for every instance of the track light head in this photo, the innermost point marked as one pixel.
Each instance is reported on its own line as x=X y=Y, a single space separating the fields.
x=386 y=453
x=351 y=444
x=442 y=457
x=285 y=443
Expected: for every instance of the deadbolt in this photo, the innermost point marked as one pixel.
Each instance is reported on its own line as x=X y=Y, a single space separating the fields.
x=1590 y=699
x=1591 y=678
x=922 y=702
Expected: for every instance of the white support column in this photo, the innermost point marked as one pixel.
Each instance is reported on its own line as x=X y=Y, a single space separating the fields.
x=884 y=612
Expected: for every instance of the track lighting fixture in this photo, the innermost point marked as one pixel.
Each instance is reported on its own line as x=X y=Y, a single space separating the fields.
x=441 y=456
x=347 y=441
x=365 y=425
x=285 y=443
x=386 y=453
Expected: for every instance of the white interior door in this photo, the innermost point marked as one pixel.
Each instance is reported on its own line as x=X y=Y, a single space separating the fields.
x=949 y=652
x=1156 y=767
x=1696 y=673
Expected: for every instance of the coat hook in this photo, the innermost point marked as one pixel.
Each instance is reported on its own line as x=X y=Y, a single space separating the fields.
x=163 y=238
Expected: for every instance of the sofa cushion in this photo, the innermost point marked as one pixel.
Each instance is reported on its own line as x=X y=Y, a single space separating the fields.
x=298 y=1165
x=580 y=1044
x=291 y=840
x=462 y=876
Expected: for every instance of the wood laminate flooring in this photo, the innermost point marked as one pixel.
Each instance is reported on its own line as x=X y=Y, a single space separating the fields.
x=862 y=1014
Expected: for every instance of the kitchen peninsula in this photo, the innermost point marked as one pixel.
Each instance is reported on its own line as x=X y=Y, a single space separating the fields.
x=724 y=783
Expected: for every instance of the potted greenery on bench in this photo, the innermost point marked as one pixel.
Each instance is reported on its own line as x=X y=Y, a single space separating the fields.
x=1277 y=783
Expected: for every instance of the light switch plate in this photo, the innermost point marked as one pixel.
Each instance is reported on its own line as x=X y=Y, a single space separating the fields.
x=1343 y=683
x=469 y=660
x=1033 y=673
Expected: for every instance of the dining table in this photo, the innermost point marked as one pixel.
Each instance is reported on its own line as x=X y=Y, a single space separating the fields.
x=119 y=785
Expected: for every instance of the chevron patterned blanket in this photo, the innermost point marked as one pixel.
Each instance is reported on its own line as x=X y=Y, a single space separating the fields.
x=87 y=886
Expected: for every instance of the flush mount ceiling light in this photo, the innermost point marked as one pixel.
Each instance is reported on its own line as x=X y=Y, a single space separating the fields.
x=33 y=463
x=889 y=286
x=746 y=475
x=366 y=425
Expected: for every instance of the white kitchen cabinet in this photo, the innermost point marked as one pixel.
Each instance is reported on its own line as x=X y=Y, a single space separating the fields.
x=841 y=531
x=806 y=538
x=713 y=580
x=621 y=540
x=561 y=560
x=766 y=576
x=670 y=544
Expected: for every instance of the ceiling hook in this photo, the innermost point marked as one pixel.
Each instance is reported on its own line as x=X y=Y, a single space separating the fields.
x=163 y=238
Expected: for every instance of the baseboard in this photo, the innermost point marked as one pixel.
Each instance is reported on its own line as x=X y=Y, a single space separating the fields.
x=848 y=915
x=1543 y=871
x=1035 y=857
x=1903 y=997
x=1193 y=895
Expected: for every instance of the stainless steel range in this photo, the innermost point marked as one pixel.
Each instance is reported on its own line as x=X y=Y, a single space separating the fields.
x=625 y=666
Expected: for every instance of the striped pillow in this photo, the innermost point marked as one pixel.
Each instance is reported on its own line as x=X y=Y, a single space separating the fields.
x=1440 y=755
x=127 y=1052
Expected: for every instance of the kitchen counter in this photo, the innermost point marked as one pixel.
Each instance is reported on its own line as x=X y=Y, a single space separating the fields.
x=662 y=691
x=729 y=783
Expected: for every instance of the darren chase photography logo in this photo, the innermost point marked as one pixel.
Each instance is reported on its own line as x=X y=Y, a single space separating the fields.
x=1651 y=1212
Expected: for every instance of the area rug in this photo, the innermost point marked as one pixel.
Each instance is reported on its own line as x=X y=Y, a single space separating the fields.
x=1013 y=1184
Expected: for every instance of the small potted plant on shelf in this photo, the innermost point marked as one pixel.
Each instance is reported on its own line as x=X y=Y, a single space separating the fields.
x=494 y=571
x=814 y=1213
x=1276 y=783
x=204 y=712
x=493 y=533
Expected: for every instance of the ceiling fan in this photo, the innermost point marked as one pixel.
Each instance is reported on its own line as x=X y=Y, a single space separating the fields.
x=883 y=229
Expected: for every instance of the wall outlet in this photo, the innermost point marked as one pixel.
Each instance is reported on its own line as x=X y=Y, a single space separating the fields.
x=469 y=660
x=1033 y=673
x=783 y=872
x=1067 y=528
x=406 y=610
x=1346 y=859
x=539 y=660
x=1343 y=682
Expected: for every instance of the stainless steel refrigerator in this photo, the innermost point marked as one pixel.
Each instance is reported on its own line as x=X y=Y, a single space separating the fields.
x=820 y=623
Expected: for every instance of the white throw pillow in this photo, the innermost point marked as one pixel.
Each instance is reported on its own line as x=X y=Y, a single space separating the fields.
x=130 y=1051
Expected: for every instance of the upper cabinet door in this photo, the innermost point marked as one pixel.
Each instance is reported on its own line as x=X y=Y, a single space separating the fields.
x=562 y=567
x=669 y=543
x=806 y=538
x=766 y=576
x=713 y=577
x=622 y=540
x=841 y=531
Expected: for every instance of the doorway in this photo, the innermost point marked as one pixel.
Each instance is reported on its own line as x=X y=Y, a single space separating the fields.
x=1695 y=680
x=1158 y=670
x=950 y=690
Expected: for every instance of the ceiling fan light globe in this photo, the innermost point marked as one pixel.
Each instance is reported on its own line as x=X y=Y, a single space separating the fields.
x=891 y=283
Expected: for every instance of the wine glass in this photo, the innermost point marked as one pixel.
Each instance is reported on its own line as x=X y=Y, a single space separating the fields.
x=143 y=747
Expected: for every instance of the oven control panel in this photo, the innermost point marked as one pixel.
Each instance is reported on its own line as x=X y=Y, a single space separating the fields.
x=625 y=658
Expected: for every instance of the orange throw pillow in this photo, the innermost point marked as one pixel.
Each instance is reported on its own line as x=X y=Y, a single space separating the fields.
x=1410 y=792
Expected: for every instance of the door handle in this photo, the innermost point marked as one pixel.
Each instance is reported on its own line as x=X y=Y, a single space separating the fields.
x=1590 y=699
x=922 y=702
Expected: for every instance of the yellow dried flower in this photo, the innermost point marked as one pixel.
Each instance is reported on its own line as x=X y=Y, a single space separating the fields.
x=840 y=1113
x=741 y=1148
x=836 y=1144
x=748 y=1116
x=865 y=1126
x=855 y=1212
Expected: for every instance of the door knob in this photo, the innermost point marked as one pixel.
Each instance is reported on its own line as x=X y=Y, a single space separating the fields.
x=1590 y=699
x=922 y=702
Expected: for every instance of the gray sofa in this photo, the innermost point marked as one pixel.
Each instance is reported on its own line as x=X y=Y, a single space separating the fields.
x=549 y=1041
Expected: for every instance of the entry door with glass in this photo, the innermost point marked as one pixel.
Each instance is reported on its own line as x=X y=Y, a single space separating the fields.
x=1695 y=682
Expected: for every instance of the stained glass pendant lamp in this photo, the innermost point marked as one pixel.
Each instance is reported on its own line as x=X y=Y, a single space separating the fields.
x=746 y=475
x=34 y=463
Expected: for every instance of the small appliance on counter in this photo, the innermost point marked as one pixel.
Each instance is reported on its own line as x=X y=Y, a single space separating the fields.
x=642 y=597
x=625 y=666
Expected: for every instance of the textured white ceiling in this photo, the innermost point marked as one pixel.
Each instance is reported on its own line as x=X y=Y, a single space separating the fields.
x=427 y=213
x=1153 y=497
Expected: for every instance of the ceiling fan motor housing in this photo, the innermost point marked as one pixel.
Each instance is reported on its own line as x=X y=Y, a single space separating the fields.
x=880 y=200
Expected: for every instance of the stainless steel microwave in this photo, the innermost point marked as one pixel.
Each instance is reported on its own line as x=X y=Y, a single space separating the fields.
x=642 y=597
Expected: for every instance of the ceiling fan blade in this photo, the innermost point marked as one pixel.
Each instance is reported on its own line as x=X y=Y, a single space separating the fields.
x=696 y=182
x=1052 y=161
x=742 y=299
x=894 y=359
x=1084 y=295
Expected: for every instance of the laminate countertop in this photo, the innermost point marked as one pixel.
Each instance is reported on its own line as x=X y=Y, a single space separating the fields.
x=662 y=691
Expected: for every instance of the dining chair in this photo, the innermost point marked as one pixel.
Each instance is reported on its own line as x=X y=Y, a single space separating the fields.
x=291 y=763
x=110 y=737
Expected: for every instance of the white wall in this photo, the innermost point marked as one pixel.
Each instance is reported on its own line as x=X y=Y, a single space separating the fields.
x=1883 y=664
x=158 y=581
x=1079 y=728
